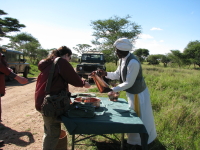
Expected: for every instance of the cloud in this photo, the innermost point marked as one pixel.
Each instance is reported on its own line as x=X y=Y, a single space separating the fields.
x=154 y=46
x=145 y=36
x=154 y=28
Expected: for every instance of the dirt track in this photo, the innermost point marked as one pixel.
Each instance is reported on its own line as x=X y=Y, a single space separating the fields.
x=22 y=126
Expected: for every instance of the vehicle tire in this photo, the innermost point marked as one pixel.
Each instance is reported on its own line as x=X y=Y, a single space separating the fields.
x=25 y=73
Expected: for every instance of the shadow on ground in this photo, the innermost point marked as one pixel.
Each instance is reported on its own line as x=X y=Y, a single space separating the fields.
x=11 y=136
x=15 y=83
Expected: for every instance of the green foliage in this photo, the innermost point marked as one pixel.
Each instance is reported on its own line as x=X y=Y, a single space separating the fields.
x=74 y=64
x=34 y=72
x=110 y=67
x=81 y=48
x=165 y=60
x=176 y=57
x=41 y=54
x=107 y=31
x=29 y=45
x=192 y=52
x=153 y=59
x=141 y=53
x=9 y=24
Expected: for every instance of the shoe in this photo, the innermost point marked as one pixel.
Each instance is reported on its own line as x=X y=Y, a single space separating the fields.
x=1 y=143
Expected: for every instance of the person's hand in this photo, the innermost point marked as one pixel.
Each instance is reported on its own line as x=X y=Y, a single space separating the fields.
x=10 y=69
x=106 y=90
x=87 y=85
x=21 y=80
x=93 y=73
x=101 y=72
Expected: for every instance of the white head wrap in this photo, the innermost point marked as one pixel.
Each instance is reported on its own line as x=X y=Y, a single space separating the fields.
x=123 y=44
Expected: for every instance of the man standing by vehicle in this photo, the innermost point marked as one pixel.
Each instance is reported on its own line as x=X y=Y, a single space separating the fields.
x=129 y=73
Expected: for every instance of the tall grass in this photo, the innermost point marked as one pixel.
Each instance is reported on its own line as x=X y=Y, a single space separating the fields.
x=175 y=101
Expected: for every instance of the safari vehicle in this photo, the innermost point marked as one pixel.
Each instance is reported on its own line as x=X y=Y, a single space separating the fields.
x=90 y=61
x=16 y=61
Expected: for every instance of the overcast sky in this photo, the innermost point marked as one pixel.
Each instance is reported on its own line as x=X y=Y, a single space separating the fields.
x=166 y=24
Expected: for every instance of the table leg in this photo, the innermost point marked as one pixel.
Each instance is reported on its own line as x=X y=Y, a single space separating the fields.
x=73 y=138
x=122 y=141
x=144 y=141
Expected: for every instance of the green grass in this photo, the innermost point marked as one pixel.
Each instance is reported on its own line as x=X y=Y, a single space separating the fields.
x=34 y=72
x=175 y=101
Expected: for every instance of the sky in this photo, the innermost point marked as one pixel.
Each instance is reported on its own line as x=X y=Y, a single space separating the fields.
x=166 y=24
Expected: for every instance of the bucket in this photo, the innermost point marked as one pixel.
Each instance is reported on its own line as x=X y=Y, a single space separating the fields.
x=62 y=143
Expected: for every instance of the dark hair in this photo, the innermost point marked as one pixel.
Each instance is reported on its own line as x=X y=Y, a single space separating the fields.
x=59 y=52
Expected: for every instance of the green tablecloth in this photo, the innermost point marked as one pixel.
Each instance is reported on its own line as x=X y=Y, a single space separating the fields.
x=111 y=117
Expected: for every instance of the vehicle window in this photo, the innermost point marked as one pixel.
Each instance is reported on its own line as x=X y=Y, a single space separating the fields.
x=21 y=57
x=92 y=57
x=9 y=57
x=16 y=57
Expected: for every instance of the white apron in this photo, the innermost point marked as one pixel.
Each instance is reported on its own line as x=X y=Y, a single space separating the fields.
x=146 y=113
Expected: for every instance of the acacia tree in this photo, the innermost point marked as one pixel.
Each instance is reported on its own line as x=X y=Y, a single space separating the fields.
x=27 y=44
x=81 y=48
x=153 y=59
x=41 y=54
x=176 y=57
x=192 y=52
x=141 y=53
x=9 y=24
x=165 y=59
x=107 y=31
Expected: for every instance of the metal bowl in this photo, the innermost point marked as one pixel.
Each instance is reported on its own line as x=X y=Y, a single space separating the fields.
x=95 y=101
x=113 y=96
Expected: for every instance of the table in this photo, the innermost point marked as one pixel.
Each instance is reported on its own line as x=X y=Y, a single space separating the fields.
x=111 y=117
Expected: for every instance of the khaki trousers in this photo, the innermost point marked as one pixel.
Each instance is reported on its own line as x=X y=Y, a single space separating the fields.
x=52 y=130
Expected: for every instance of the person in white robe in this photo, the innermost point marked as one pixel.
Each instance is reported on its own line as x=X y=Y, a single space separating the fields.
x=140 y=102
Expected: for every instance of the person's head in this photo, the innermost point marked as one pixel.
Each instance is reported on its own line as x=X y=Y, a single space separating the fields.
x=122 y=47
x=63 y=52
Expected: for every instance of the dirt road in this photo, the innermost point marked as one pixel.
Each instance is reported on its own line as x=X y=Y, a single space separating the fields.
x=22 y=126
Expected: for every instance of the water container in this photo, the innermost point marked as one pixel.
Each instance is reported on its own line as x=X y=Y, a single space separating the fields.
x=62 y=143
x=100 y=83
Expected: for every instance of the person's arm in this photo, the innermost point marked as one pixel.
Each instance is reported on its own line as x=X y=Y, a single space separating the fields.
x=69 y=75
x=4 y=69
x=9 y=73
x=132 y=72
x=21 y=80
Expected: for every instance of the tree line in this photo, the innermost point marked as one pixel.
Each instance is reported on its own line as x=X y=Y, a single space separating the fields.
x=105 y=34
x=189 y=56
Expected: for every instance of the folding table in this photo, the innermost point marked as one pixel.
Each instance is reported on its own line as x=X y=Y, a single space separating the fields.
x=111 y=117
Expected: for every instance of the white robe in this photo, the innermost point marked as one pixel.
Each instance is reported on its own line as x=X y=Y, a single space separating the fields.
x=146 y=113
